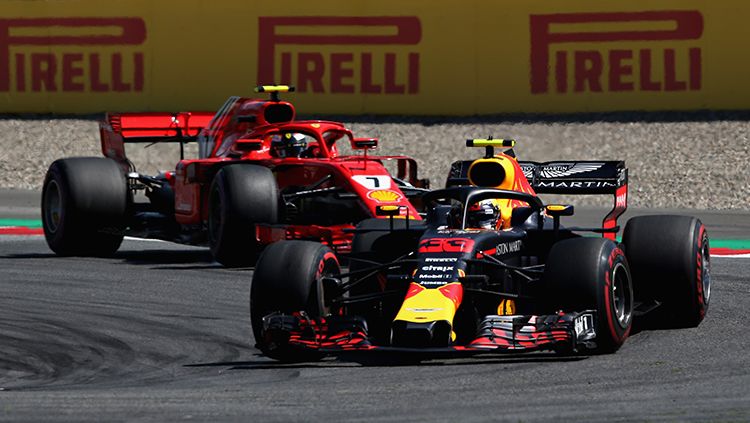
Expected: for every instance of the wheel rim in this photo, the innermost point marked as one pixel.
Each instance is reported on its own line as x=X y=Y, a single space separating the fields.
x=621 y=295
x=52 y=206
x=706 y=271
x=330 y=268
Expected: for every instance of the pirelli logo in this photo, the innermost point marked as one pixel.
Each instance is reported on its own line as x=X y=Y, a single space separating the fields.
x=341 y=55
x=72 y=54
x=590 y=52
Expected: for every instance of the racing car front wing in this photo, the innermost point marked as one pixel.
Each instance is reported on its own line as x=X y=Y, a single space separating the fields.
x=563 y=332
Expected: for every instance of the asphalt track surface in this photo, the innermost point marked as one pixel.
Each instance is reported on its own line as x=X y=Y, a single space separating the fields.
x=160 y=333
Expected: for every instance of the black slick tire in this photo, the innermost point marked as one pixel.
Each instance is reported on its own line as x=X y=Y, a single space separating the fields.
x=670 y=262
x=240 y=197
x=84 y=203
x=287 y=280
x=593 y=274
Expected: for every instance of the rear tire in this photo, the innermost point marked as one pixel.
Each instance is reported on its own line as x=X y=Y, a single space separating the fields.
x=670 y=262
x=240 y=196
x=84 y=202
x=287 y=280
x=593 y=274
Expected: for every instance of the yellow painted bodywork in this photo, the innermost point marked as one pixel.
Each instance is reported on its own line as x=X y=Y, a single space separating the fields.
x=509 y=183
x=505 y=162
x=507 y=307
x=492 y=143
x=428 y=305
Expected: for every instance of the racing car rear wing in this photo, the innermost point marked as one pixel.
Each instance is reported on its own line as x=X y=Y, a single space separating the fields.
x=578 y=177
x=568 y=177
x=157 y=127
x=118 y=128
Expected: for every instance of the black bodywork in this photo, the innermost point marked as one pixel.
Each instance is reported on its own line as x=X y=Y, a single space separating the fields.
x=492 y=267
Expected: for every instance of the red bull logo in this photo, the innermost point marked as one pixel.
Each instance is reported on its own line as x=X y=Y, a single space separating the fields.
x=284 y=55
x=74 y=56
x=554 y=55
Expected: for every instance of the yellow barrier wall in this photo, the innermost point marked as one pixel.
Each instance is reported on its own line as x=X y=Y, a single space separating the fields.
x=386 y=57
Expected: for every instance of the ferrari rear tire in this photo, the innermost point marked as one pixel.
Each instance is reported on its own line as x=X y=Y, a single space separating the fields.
x=240 y=197
x=593 y=274
x=287 y=279
x=84 y=203
x=670 y=261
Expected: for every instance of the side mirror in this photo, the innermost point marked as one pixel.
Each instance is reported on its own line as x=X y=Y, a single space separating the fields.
x=364 y=143
x=248 y=144
x=559 y=210
x=392 y=212
x=247 y=119
x=387 y=211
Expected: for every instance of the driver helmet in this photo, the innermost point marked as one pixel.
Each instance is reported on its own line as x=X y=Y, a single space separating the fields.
x=289 y=144
x=483 y=214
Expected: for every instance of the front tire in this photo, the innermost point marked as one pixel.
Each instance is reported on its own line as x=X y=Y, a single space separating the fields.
x=240 y=197
x=84 y=202
x=593 y=274
x=287 y=279
x=670 y=260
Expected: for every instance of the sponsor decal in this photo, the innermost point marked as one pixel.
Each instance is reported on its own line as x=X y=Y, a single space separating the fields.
x=528 y=170
x=290 y=50
x=434 y=276
x=440 y=259
x=455 y=171
x=621 y=201
x=373 y=181
x=384 y=196
x=559 y=170
x=446 y=245
x=458 y=231
x=72 y=54
x=558 y=52
x=577 y=184
x=431 y=268
x=584 y=327
x=508 y=247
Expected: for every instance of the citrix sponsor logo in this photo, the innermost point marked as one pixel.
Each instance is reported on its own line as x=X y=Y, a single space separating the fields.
x=431 y=268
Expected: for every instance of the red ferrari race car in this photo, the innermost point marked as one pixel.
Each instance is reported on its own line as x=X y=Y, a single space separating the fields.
x=490 y=270
x=261 y=176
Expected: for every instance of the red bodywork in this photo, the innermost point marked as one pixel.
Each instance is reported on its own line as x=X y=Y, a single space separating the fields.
x=241 y=131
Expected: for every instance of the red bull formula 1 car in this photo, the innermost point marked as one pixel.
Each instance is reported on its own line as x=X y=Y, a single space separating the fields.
x=261 y=176
x=490 y=269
